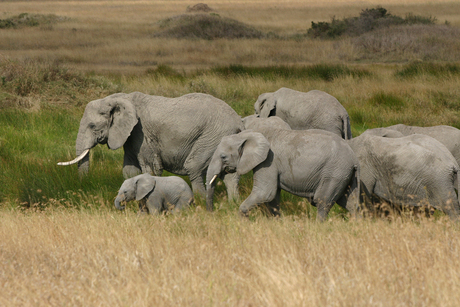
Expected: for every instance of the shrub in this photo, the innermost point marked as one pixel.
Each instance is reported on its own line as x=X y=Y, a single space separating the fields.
x=368 y=20
x=206 y=26
x=49 y=81
x=29 y=20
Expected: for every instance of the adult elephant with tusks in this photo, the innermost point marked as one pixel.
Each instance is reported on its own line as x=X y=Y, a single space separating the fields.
x=312 y=110
x=157 y=133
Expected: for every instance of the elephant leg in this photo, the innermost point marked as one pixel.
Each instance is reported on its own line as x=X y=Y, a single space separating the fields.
x=154 y=204
x=231 y=183
x=265 y=190
x=451 y=208
x=325 y=197
x=350 y=200
x=198 y=184
x=274 y=205
x=196 y=164
x=131 y=166
x=142 y=207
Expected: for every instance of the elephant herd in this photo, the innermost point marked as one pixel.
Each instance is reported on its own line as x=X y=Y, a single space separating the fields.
x=298 y=142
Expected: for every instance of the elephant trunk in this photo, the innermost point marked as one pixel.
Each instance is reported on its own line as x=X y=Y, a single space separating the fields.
x=214 y=170
x=118 y=200
x=85 y=141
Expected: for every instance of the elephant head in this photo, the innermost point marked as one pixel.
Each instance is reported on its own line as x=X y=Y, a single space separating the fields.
x=136 y=188
x=265 y=105
x=106 y=121
x=238 y=153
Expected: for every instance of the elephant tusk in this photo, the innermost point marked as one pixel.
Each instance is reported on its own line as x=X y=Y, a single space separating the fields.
x=212 y=180
x=77 y=159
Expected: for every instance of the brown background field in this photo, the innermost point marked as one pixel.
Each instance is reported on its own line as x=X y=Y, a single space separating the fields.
x=108 y=36
x=91 y=255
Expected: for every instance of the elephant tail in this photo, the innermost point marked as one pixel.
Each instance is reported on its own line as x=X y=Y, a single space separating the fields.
x=457 y=172
x=346 y=127
x=358 y=186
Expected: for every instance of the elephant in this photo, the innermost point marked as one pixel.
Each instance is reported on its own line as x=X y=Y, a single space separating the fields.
x=257 y=122
x=447 y=135
x=155 y=194
x=312 y=110
x=315 y=164
x=407 y=171
x=383 y=132
x=157 y=133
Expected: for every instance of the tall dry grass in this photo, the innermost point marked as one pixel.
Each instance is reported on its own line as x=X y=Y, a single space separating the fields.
x=105 y=258
x=107 y=36
x=89 y=254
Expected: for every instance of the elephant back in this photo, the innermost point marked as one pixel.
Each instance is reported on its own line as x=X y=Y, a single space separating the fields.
x=312 y=110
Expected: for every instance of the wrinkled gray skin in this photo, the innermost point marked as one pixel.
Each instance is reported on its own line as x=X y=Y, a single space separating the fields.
x=259 y=123
x=315 y=164
x=447 y=135
x=312 y=110
x=383 y=132
x=407 y=171
x=178 y=135
x=155 y=194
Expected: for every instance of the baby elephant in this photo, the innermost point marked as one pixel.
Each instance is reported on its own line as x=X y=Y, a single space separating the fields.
x=155 y=194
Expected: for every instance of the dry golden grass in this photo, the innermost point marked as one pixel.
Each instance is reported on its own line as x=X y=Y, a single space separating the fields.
x=106 y=258
x=102 y=257
x=117 y=36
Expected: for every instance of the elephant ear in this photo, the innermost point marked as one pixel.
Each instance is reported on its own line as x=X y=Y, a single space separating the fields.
x=145 y=184
x=253 y=149
x=267 y=104
x=124 y=118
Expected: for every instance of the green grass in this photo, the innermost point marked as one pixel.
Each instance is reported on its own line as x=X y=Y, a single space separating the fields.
x=32 y=142
x=387 y=100
x=325 y=72
x=417 y=69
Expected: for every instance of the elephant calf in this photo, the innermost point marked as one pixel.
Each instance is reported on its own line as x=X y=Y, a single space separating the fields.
x=155 y=194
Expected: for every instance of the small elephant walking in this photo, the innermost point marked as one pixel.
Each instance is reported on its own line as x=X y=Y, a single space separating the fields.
x=312 y=110
x=315 y=164
x=155 y=194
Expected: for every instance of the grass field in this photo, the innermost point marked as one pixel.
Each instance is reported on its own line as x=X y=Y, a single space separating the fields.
x=63 y=243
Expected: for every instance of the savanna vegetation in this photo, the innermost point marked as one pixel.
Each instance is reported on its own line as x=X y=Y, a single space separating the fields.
x=63 y=243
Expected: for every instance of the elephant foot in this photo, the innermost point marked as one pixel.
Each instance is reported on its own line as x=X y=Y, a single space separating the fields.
x=244 y=213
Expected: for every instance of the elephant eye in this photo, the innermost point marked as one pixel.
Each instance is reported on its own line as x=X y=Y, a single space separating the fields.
x=223 y=156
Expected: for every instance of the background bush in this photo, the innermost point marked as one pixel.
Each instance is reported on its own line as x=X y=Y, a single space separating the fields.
x=368 y=20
